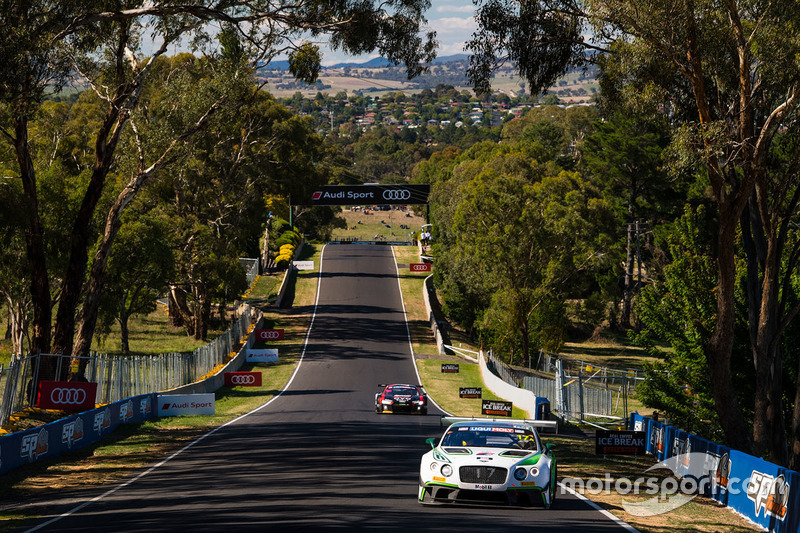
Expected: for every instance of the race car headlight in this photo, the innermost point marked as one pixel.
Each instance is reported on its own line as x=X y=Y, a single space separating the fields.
x=520 y=474
x=447 y=470
x=387 y=402
x=534 y=472
x=433 y=466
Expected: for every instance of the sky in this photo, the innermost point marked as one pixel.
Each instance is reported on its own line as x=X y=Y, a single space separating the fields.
x=452 y=20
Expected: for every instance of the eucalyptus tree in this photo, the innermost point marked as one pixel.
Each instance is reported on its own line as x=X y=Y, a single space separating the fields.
x=726 y=74
x=48 y=44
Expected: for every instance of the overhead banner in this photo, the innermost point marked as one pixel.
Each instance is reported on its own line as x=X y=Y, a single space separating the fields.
x=371 y=194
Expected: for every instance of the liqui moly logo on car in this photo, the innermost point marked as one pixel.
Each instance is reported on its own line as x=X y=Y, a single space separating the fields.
x=34 y=445
x=72 y=432
x=102 y=421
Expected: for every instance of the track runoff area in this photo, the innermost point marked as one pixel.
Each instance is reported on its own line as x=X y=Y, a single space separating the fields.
x=316 y=457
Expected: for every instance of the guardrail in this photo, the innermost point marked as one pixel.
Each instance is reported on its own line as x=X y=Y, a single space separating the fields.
x=119 y=377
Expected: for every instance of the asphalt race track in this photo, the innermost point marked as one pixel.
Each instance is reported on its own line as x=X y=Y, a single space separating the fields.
x=317 y=457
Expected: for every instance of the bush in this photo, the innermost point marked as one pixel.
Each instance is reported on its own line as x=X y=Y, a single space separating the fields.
x=287 y=237
x=283 y=261
x=287 y=249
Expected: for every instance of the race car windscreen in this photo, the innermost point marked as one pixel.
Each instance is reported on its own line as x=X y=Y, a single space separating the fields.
x=402 y=391
x=490 y=437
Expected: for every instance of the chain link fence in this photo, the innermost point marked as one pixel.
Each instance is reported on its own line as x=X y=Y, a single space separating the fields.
x=575 y=395
x=120 y=377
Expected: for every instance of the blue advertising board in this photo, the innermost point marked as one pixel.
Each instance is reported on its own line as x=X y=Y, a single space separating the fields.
x=73 y=432
x=764 y=493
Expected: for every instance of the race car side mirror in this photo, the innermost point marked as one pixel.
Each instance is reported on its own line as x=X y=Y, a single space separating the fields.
x=431 y=441
x=549 y=447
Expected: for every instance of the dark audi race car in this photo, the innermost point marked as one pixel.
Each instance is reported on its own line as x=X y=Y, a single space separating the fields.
x=401 y=398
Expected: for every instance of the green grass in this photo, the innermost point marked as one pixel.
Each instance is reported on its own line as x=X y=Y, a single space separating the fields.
x=364 y=226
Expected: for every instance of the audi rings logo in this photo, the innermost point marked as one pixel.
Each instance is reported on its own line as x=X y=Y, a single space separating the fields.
x=64 y=396
x=243 y=379
x=397 y=194
x=270 y=335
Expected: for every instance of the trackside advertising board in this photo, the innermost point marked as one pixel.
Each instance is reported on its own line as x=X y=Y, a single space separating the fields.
x=370 y=195
x=268 y=334
x=242 y=379
x=613 y=442
x=261 y=355
x=763 y=492
x=66 y=395
x=496 y=408
x=186 y=404
x=71 y=433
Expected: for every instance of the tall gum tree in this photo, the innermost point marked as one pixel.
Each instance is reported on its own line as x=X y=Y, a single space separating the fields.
x=49 y=42
x=734 y=79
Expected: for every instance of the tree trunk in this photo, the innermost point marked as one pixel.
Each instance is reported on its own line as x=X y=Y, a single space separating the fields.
x=34 y=248
x=720 y=346
x=124 y=333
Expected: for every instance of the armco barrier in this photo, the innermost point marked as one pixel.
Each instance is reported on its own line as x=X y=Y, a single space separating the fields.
x=73 y=432
x=764 y=493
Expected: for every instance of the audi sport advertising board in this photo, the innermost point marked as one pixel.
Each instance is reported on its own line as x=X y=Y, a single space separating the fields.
x=420 y=267
x=66 y=395
x=268 y=334
x=242 y=379
x=186 y=404
x=303 y=265
x=266 y=355
x=371 y=194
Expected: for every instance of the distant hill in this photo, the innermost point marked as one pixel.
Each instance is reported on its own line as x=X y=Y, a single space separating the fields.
x=377 y=62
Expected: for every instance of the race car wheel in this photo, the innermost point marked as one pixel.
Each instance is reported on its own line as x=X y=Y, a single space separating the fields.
x=378 y=409
x=424 y=412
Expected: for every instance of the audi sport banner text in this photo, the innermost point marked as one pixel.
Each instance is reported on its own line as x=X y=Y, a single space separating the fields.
x=268 y=334
x=242 y=379
x=66 y=395
x=186 y=404
x=371 y=194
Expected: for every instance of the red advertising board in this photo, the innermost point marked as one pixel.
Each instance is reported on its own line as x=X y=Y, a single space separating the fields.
x=242 y=379
x=420 y=267
x=66 y=395
x=269 y=334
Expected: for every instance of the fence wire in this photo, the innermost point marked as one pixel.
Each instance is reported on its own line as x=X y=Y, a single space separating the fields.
x=120 y=377
x=572 y=395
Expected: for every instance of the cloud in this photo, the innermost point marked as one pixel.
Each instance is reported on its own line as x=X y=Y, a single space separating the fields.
x=455 y=9
x=454 y=25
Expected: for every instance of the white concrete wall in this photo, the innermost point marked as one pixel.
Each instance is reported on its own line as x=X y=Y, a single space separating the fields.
x=524 y=399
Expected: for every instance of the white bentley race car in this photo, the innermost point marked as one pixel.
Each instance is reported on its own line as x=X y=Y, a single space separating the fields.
x=489 y=461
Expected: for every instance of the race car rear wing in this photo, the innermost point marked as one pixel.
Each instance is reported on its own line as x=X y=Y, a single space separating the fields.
x=546 y=426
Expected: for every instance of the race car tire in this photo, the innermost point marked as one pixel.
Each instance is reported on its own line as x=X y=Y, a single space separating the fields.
x=424 y=412
x=378 y=409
